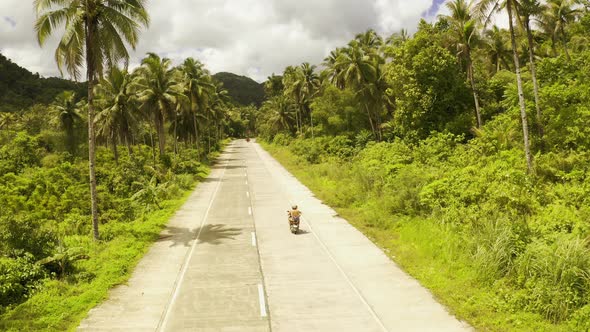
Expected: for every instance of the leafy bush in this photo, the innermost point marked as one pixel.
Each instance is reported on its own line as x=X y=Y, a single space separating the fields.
x=23 y=151
x=19 y=277
x=21 y=234
x=556 y=276
x=281 y=139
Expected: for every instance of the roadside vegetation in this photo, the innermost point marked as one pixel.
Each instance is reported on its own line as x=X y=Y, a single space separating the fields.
x=147 y=137
x=462 y=150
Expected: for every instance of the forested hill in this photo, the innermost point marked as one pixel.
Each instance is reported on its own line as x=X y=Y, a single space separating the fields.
x=242 y=89
x=19 y=88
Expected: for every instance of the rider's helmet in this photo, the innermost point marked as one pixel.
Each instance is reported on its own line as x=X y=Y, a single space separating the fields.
x=294 y=207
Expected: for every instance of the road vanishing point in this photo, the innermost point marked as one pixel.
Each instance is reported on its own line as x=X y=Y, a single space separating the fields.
x=227 y=262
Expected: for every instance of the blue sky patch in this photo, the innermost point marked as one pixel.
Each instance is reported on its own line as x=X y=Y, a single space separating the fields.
x=433 y=8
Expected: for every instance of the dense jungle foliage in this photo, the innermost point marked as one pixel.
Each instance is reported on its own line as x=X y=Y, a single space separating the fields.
x=158 y=128
x=463 y=150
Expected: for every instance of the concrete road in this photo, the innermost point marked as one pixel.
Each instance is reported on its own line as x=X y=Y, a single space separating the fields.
x=227 y=262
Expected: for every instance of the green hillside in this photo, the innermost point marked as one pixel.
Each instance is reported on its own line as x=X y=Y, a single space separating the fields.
x=19 y=88
x=244 y=90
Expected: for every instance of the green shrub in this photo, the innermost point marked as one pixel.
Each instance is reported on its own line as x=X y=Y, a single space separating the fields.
x=580 y=320
x=25 y=234
x=19 y=277
x=21 y=152
x=495 y=249
x=281 y=139
x=556 y=276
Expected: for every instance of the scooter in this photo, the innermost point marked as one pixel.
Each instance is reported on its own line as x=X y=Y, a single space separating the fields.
x=293 y=224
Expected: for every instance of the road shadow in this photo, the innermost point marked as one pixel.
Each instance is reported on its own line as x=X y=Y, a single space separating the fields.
x=212 y=234
x=209 y=180
x=302 y=232
x=216 y=234
x=228 y=167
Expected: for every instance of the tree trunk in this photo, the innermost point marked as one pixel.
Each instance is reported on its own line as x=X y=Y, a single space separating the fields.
x=208 y=134
x=371 y=120
x=90 y=74
x=161 y=135
x=153 y=147
x=311 y=122
x=196 y=134
x=175 y=133
x=525 y=127
x=297 y=120
x=534 y=76
x=129 y=149
x=567 y=53
x=115 y=150
x=472 y=82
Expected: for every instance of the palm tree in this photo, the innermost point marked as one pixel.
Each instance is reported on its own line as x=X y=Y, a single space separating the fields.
x=464 y=28
x=68 y=114
x=398 y=38
x=556 y=16
x=281 y=113
x=198 y=88
x=95 y=35
x=334 y=67
x=302 y=84
x=309 y=88
x=158 y=89
x=117 y=117
x=360 y=70
x=216 y=110
x=369 y=41
x=485 y=8
x=7 y=119
x=532 y=8
x=497 y=48
x=292 y=82
x=273 y=86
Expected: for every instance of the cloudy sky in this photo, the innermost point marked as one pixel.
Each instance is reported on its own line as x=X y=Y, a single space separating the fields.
x=247 y=37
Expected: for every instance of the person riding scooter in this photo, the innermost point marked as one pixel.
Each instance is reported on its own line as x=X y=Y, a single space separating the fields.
x=294 y=214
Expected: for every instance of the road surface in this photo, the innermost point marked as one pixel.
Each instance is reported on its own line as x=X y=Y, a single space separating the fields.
x=227 y=262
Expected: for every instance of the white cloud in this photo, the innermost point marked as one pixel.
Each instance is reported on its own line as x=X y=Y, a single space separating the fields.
x=247 y=37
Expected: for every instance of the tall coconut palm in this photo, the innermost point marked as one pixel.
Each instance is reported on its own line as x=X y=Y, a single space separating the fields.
x=530 y=9
x=95 y=35
x=556 y=16
x=309 y=88
x=281 y=113
x=293 y=83
x=334 y=67
x=117 y=115
x=158 y=89
x=273 y=85
x=398 y=38
x=360 y=72
x=463 y=25
x=215 y=111
x=497 y=48
x=485 y=8
x=301 y=85
x=370 y=41
x=198 y=88
x=67 y=113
